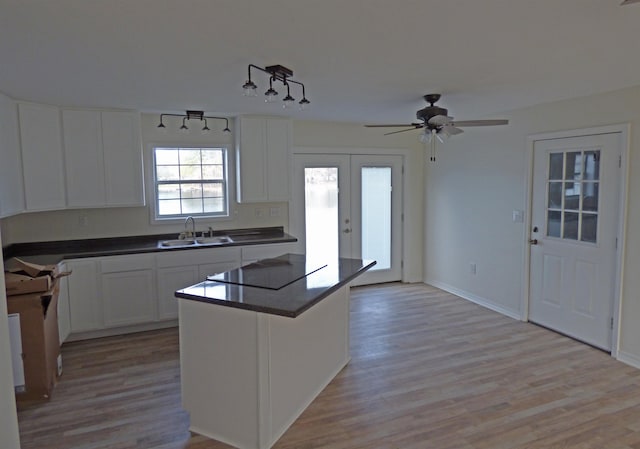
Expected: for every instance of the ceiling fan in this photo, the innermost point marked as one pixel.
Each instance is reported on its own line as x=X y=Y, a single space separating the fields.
x=436 y=122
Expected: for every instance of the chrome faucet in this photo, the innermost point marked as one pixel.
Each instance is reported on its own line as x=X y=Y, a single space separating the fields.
x=191 y=233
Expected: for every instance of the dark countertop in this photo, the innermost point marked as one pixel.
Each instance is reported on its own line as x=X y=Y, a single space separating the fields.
x=54 y=251
x=289 y=300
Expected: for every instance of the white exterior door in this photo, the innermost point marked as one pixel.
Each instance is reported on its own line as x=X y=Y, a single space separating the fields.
x=574 y=223
x=351 y=206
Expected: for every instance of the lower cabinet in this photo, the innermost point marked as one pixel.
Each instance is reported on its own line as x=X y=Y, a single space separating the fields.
x=85 y=300
x=256 y=252
x=180 y=269
x=171 y=279
x=117 y=294
x=128 y=290
x=64 y=317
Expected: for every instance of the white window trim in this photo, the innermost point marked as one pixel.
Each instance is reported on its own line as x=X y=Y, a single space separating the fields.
x=150 y=190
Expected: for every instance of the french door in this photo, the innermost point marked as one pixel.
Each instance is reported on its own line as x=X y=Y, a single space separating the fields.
x=350 y=206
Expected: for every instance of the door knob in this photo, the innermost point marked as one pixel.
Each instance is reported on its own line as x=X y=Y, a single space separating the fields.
x=346 y=231
x=533 y=241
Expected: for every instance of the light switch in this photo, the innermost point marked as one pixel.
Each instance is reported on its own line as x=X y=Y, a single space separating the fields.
x=518 y=216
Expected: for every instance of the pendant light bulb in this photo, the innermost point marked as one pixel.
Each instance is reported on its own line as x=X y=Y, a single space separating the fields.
x=249 y=89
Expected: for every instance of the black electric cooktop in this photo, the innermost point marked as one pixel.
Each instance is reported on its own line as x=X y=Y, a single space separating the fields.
x=271 y=274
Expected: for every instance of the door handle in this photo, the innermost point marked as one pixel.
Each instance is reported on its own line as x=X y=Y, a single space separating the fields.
x=346 y=231
x=533 y=241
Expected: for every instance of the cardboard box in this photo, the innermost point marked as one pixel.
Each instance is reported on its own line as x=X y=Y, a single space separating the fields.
x=24 y=277
x=20 y=284
x=34 y=270
x=40 y=342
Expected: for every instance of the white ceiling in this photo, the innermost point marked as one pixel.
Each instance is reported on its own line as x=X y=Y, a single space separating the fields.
x=364 y=61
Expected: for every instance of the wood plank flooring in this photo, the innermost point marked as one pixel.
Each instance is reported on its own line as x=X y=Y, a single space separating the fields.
x=428 y=370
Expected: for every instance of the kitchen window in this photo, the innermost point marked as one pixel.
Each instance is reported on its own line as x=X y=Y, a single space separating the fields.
x=190 y=181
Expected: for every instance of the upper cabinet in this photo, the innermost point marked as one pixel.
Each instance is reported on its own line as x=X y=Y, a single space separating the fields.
x=42 y=158
x=103 y=158
x=11 y=187
x=263 y=158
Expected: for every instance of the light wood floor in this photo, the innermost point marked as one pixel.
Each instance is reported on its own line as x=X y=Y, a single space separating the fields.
x=428 y=370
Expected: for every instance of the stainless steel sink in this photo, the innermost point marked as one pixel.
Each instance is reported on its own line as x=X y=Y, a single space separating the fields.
x=217 y=240
x=178 y=242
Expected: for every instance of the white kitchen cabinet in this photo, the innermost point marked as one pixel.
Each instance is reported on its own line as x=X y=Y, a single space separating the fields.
x=103 y=158
x=11 y=184
x=85 y=300
x=84 y=164
x=122 y=158
x=256 y=252
x=128 y=291
x=180 y=269
x=64 y=317
x=263 y=159
x=169 y=280
x=42 y=157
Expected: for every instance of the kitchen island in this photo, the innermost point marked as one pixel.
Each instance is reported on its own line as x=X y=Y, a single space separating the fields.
x=259 y=343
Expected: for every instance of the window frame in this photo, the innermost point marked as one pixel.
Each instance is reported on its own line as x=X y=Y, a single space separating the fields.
x=152 y=190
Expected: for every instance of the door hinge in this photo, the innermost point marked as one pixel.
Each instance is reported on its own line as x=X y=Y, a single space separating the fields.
x=402 y=217
x=616 y=242
x=619 y=161
x=611 y=323
x=402 y=264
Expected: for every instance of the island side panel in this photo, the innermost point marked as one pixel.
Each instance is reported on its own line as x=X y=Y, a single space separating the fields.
x=305 y=354
x=219 y=370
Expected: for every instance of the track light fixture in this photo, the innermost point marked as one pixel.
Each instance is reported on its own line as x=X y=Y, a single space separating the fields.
x=194 y=115
x=277 y=73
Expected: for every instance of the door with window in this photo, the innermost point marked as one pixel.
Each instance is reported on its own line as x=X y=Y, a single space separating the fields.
x=574 y=222
x=350 y=206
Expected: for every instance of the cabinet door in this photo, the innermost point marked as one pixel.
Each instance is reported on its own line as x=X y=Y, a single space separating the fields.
x=64 y=318
x=122 y=158
x=278 y=167
x=170 y=280
x=257 y=252
x=263 y=159
x=128 y=298
x=83 y=158
x=42 y=159
x=208 y=269
x=251 y=160
x=11 y=188
x=85 y=305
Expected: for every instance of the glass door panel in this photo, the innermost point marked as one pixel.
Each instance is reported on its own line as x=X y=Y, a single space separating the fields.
x=376 y=215
x=321 y=213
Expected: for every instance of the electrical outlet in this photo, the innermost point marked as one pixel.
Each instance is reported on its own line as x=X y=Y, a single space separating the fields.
x=83 y=221
x=259 y=212
x=472 y=268
x=274 y=212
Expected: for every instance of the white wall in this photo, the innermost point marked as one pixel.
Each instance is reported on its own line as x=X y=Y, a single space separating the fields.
x=479 y=179
x=9 y=436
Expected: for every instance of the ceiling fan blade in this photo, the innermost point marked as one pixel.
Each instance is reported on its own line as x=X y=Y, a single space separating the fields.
x=629 y=2
x=480 y=122
x=415 y=125
x=402 y=131
x=439 y=120
x=451 y=130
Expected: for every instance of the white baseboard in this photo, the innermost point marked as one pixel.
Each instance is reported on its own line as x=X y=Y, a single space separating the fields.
x=629 y=359
x=475 y=299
